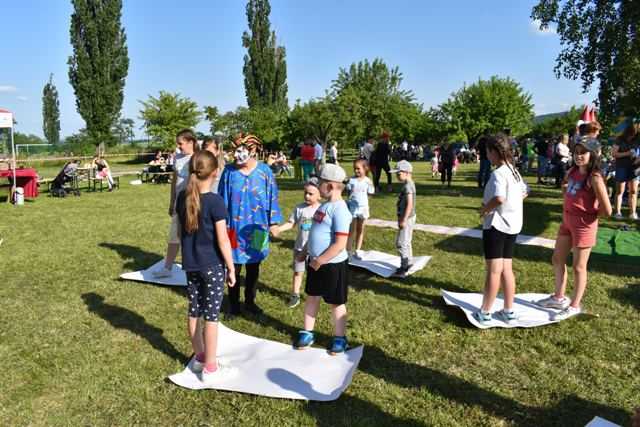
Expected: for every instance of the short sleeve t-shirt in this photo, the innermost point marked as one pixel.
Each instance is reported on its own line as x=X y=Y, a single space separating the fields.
x=318 y=152
x=330 y=220
x=302 y=217
x=409 y=187
x=367 y=151
x=507 y=217
x=624 y=162
x=359 y=189
x=200 y=249
x=182 y=171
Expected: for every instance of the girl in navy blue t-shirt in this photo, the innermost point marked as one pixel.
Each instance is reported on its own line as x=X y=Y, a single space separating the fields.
x=207 y=261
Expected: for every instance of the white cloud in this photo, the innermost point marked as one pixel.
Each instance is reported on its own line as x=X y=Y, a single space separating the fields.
x=535 y=26
x=22 y=98
x=7 y=88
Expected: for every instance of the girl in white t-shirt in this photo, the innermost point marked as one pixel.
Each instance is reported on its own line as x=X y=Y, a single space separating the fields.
x=502 y=214
x=359 y=187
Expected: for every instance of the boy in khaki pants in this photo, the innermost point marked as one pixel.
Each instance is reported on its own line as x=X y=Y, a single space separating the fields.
x=406 y=210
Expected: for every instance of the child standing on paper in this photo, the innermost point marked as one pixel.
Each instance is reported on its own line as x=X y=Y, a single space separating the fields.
x=207 y=261
x=187 y=143
x=302 y=217
x=359 y=187
x=328 y=258
x=502 y=221
x=406 y=211
x=585 y=198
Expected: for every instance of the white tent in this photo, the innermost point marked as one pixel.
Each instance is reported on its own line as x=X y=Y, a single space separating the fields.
x=6 y=121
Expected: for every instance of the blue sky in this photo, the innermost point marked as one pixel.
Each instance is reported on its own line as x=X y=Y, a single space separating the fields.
x=194 y=47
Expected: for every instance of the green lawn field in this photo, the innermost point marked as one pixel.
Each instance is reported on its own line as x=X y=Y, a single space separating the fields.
x=81 y=347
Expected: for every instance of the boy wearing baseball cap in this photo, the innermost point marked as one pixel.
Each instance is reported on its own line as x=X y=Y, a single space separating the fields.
x=406 y=210
x=328 y=260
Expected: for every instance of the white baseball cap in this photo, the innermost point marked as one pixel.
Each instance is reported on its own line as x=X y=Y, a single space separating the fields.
x=333 y=173
x=402 y=166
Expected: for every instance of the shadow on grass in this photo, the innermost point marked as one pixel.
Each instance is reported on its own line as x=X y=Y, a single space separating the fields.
x=606 y=264
x=135 y=258
x=403 y=292
x=628 y=295
x=570 y=410
x=356 y=412
x=123 y=318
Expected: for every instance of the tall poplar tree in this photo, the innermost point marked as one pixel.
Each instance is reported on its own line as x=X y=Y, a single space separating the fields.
x=51 y=112
x=99 y=64
x=265 y=66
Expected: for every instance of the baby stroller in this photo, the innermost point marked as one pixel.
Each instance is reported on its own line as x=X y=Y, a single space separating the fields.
x=65 y=176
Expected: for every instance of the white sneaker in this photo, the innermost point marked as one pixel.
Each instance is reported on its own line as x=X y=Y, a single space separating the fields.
x=161 y=273
x=552 y=302
x=567 y=313
x=633 y=216
x=618 y=216
x=197 y=366
x=222 y=373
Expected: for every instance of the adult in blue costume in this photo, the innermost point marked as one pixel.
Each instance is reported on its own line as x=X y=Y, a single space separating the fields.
x=250 y=192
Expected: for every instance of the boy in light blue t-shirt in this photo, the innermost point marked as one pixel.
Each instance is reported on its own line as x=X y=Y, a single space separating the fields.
x=328 y=261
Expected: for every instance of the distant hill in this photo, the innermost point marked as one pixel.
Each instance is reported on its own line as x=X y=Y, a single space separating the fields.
x=543 y=117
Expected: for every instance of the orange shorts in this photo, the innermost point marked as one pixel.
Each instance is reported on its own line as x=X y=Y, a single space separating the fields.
x=582 y=230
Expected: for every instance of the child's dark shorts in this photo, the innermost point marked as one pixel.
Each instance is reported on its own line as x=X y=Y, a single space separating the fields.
x=205 y=290
x=497 y=244
x=329 y=282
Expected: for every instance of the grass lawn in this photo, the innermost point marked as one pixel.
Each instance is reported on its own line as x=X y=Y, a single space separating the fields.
x=80 y=347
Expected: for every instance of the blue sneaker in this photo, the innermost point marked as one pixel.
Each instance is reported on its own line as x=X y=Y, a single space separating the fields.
x=482 y=317
x=507 y=316
x=338 y=345
x=305 y=340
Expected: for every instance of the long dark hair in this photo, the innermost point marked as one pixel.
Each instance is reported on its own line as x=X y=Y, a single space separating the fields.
x=201 y=166
x=500 y=144
x=593 y=167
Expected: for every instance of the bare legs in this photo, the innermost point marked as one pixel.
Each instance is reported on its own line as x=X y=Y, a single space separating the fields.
x=633 y=196
x=172 y=254
x=499 y=272
x=206 y=343
x=580 y=260
x=297 y=282
x=338 y=315
x=356 y=235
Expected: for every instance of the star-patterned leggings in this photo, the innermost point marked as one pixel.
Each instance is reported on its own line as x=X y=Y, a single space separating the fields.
x=205 y=290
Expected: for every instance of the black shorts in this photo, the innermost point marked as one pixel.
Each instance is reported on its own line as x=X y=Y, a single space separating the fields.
x=328 y=282
x=497 y=244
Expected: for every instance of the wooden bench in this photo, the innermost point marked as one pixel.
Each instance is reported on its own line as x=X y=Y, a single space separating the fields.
x=94 y=181
x=157 y=177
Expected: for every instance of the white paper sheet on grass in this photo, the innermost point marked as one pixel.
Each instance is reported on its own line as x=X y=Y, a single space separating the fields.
x=273 y=369
x=601 y=422
x=529 y=314
x=384 y=264
x=177 y=278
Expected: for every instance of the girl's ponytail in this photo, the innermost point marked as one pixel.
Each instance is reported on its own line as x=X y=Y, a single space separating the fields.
x=201 y=166
x=192 y=203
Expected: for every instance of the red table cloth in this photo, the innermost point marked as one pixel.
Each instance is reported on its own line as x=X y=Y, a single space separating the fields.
x=26 y=178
